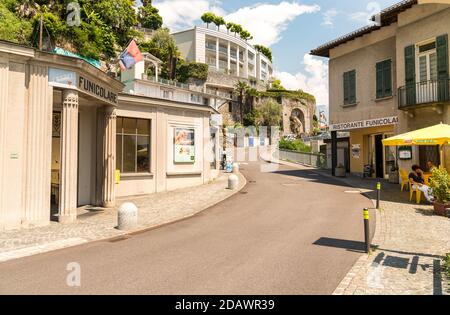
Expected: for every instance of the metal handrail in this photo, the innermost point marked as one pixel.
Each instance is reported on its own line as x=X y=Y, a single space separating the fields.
x=425 y=92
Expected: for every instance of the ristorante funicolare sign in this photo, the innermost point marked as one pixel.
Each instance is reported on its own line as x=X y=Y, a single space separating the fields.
x=97 y=90
x=385 y=121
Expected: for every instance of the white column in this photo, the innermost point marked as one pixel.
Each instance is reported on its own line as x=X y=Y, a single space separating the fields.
x=37 y=169
x=237 y=62
x=229 y=56
x=69 y=157
x=217 y=53
x=246 y=63
x=109 y=156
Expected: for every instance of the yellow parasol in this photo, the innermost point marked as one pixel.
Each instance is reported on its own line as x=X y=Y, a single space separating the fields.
x=435 y=135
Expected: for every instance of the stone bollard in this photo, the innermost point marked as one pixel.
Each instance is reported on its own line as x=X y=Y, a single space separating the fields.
x=235 y=168
x=233 y=182
x=127 y=216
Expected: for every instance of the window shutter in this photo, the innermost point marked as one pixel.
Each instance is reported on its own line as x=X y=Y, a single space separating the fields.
x=379 y=87
x=410 y=66
x=442 y=67
x=442 y=56
x=410 y=75
x=346 y=88
x=387 y=78
x=352 y=82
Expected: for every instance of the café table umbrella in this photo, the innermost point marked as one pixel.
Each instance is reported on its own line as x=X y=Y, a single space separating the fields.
x=434 y=135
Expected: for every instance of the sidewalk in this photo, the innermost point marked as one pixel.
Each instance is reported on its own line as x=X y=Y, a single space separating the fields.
x=410 y=243
x=94 y=225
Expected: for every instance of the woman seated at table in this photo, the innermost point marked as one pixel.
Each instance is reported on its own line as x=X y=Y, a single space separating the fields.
x=417 y=181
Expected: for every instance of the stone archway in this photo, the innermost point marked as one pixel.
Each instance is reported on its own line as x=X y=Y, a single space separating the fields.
x=297 y=122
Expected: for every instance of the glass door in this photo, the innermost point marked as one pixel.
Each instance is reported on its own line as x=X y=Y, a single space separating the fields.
x=427 y=86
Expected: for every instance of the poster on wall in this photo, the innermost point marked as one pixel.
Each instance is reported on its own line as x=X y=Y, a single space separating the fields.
x=356 y=151
x=405 y=153
x=184 y=145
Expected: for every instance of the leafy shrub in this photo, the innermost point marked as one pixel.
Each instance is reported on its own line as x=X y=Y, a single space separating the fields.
x=194 y=70
x=294 y=145
x=440 y=184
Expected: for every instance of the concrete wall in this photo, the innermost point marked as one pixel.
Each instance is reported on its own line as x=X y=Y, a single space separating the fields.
x=418 y=24
x=25 y=140
x=165 y=174
x=363 y=60
x=186 y=43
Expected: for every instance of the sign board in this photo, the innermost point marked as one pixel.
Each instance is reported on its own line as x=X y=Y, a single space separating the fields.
x=98 y=91
x=62 y=78
x=386 y=121
x=356 y=151
x=184 y=145
x=405 y=153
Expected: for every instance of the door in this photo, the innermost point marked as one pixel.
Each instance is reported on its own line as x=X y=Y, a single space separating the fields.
x=427 y=74
x=379 y=161
x=56 y=165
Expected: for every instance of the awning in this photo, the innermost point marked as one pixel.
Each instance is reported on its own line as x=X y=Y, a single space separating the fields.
x=435 y=135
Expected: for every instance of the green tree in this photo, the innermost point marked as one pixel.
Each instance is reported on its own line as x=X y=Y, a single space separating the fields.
x=265 y=51
x=219 y=21
x=208 y=18
x=276 y=85
x=149 y=16
x=229 y=26
x=236 y=29
x=271 y=113
x=13 y=28
x=163 y=46
x=240 y=89
x=194 y=70
x=245 y=35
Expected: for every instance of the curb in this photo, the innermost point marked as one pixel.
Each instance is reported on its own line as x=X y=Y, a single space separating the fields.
x=74 y=242
x=378 y=237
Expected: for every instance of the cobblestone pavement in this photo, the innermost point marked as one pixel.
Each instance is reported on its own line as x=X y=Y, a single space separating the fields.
x=410 y=242
x=97 y=224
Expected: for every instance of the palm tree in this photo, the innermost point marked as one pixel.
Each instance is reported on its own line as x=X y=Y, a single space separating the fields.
x=240 y=89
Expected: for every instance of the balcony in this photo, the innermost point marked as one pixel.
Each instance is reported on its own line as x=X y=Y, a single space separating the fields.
x=424 y=93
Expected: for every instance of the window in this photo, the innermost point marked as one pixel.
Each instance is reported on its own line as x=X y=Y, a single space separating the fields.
x=384 y=78
x=133 y=145
x=167 y=94
x=350 y=87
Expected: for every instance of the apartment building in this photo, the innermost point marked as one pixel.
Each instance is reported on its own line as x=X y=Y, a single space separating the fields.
x=387 y=78
x=229 y=57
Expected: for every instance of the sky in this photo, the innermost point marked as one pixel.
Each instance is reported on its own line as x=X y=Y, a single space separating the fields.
x=291 y=28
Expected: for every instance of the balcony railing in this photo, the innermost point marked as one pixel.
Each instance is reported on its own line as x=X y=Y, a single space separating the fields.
x=426 y=92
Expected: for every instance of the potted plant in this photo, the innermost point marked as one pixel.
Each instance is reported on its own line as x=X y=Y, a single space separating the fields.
x=440 y=186
x=340 y=170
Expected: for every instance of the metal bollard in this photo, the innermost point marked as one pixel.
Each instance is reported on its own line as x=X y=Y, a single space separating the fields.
x=235 y=168
x=378 y=194
x=233 y=182
x=127 y=216
x=367 y=230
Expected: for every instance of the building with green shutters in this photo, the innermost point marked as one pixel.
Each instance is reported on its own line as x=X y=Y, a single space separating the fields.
x=390 y=77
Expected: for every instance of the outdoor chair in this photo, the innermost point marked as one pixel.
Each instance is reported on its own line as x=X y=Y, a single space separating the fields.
x=412 y=191
x=404 y=178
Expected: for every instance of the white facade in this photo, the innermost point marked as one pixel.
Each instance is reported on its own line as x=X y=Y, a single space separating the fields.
x=138 y=82
x=224 y=52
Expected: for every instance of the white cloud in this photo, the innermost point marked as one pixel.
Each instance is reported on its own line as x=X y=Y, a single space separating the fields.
x=314 y=80
x=266 y=22
x=179 y=14
x=328 y=17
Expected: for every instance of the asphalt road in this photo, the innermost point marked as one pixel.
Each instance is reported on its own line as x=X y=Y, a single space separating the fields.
x=288 y=232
